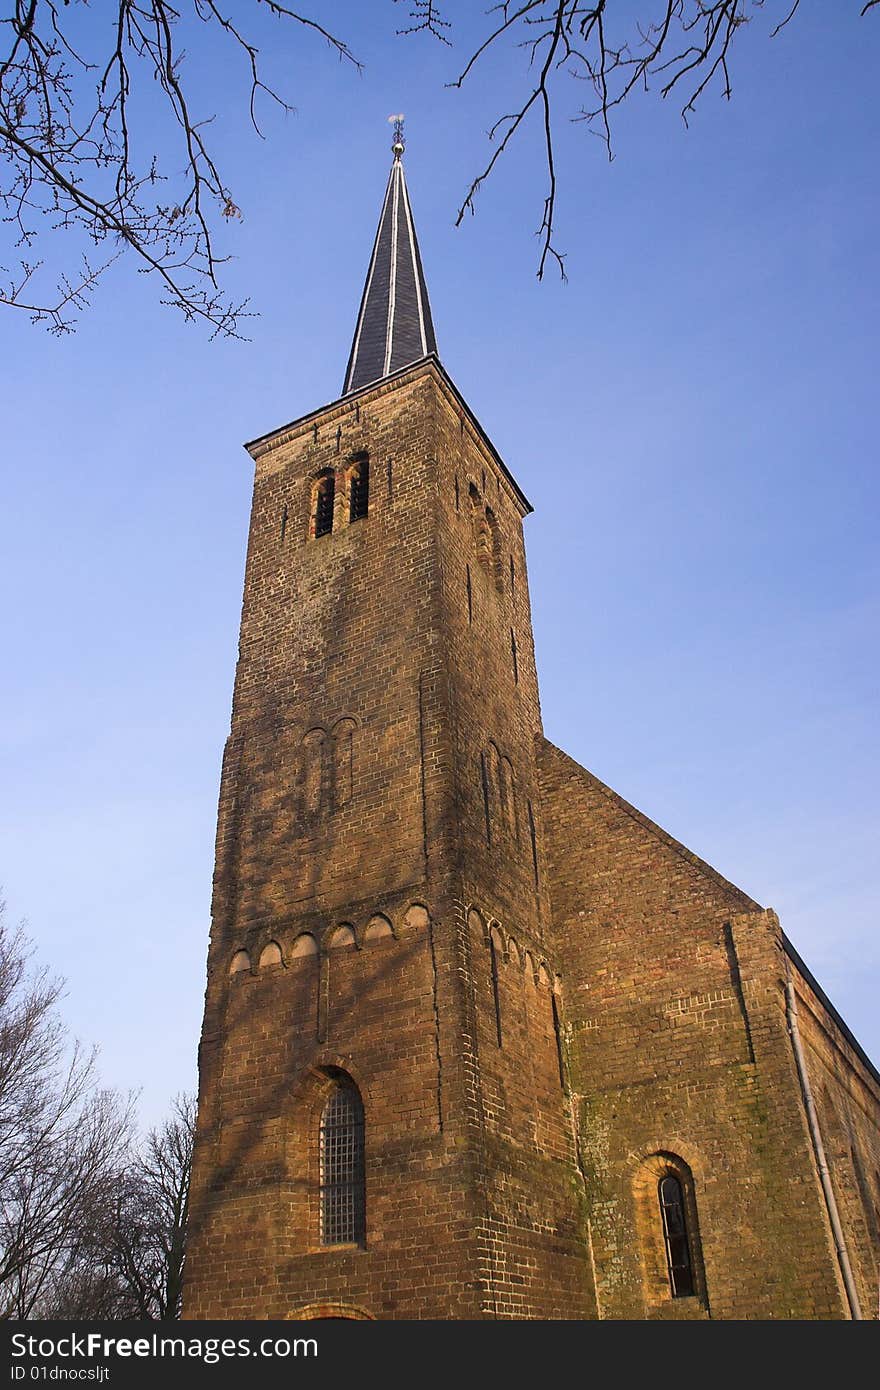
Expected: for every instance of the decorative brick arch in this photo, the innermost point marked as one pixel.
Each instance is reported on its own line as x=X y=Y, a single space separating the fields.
x=529 y=968
x=312 y=1312
x=340 y=937
x=497 y=939
x=316 y=1077
x=417 y=915
x=378 y=928
x=477 y=923
x=270 y=956
x=240 y=962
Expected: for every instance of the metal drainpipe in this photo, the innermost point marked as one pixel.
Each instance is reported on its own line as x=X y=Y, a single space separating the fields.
x=815 y=1135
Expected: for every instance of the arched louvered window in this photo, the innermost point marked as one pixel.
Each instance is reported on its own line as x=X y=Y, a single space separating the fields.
x=324 y=498
x=342 y=1167
x=675 y=1236
x=359 y=490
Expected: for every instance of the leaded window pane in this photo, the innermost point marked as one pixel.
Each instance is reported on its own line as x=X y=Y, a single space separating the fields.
x=342 y=1168
x=675 y=1235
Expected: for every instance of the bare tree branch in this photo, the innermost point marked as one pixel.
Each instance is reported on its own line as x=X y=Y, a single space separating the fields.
x=425 y=18
x=78 y=105
x=73 y=159
x=131 y=1260
x=681 y=46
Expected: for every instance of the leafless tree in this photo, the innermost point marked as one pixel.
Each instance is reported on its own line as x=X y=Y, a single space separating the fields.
x=129 y=1260
x=146 y=1230
x=61 y=1136
x=86 y=94
x=82 y=1289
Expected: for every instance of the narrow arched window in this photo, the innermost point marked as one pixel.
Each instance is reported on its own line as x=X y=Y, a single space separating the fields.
x=675 y=1236
x=510 y=804
x=499 y=784
x=493 y=556
x=342 y=1167
x=324 y=498
x=483 y=538
x=313 y=770
x=343 y=740
x=359 y=490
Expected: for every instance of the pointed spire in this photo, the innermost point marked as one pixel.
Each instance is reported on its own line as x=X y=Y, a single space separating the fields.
x=394 y=326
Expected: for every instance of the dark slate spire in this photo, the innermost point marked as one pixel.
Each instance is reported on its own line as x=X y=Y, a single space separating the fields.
x=394 y=326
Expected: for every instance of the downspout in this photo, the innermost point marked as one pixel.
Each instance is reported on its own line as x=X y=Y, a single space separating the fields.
x=819 y=1148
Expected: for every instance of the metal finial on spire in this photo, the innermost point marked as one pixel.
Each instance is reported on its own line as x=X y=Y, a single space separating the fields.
x=399 y=146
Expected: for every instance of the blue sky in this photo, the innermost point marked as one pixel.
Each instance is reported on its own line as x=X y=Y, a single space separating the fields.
x=693 y=416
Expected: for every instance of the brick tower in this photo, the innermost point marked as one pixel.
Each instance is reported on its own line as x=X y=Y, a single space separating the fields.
x=378 y=811
x=480 y=1040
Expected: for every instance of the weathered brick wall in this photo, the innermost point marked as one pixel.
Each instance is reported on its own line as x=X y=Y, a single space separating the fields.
x=333 y=629
x=489 y=650
x=470 y=1158
x=675 y=1014
x=537 y=1257
x=846 y=1092
x=369 y=1009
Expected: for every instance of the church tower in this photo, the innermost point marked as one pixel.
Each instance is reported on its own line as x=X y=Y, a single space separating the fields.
x=383 y=1129
x=481 y=1040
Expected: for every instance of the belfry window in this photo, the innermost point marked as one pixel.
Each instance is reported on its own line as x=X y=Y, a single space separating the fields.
x=324 y=505
x=342 y=1167
x=675 y=1236
x=359 y=490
